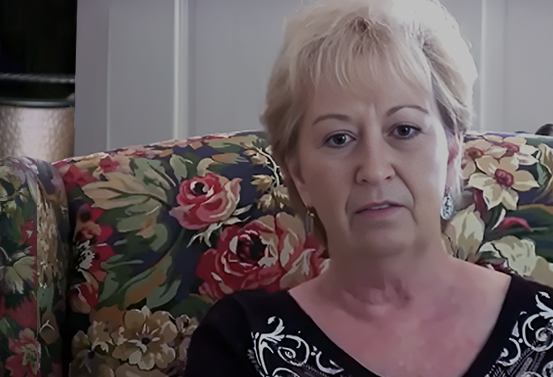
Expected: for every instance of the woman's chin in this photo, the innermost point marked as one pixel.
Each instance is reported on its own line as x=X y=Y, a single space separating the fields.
x=374 y=246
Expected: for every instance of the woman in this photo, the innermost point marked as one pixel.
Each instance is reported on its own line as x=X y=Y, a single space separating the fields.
x=366 y=108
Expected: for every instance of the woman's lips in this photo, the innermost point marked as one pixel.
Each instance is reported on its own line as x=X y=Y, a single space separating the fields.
x=379 y=210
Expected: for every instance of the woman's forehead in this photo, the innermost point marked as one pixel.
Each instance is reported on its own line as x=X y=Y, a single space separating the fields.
x=362 y=78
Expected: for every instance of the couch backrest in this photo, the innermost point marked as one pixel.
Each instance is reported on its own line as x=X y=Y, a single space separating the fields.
x=162 y=231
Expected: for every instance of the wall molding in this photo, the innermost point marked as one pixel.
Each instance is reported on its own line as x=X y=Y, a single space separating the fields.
x=181 y=70
x=492 y=64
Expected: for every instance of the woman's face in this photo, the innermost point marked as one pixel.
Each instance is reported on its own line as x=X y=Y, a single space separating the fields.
x=374 y=166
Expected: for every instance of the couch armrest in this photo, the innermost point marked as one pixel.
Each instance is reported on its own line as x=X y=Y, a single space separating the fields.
x=53 y=243
x=33 y=266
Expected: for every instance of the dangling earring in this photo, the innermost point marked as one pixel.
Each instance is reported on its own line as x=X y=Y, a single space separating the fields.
x=309 y=221
x=447 y=206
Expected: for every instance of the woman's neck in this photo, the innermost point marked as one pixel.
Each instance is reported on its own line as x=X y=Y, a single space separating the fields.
x=403 y=283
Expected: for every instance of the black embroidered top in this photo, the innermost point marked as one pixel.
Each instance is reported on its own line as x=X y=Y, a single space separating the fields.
x=256 y=333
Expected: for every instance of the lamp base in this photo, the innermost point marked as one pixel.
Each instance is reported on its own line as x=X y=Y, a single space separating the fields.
x=45 y=133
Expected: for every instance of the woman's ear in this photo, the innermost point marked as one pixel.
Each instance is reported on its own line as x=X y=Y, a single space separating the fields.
x=455 y=148
x=294 y=170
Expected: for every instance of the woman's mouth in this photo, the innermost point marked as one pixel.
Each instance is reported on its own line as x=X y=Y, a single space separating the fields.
x=379 y=210
x=380 y=207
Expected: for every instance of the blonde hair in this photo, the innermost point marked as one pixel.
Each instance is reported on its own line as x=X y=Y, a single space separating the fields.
x=349 y=41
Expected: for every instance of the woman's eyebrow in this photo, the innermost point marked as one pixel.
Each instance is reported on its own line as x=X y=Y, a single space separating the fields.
x=341 y=117
x=391 y=111
x=397 y=108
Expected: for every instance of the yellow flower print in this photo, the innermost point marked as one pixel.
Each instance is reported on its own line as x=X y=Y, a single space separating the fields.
x=256 y=156
x=463 y=235
x=144 y=339
x=89 y=360
x=127 y=370
x=546 y=160
x=262 y=182
x=99 y=335
x=476 y=149
x=501 y=181
x=521 y=256
x=186 y=327
x=516 y=146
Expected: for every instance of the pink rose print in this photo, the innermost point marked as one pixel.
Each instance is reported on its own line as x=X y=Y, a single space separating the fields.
x=206 y=200
x=270 y=253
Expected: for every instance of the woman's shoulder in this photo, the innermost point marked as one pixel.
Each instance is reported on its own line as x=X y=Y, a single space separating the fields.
x=226 y=333
x=525 y=297
x=256 y=301
x=260 y=312
x=258 y=295
x=251 y=308
x=527 y=291
x=528 y=344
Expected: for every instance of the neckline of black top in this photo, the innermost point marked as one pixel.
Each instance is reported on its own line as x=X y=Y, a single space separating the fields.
x=517 y=297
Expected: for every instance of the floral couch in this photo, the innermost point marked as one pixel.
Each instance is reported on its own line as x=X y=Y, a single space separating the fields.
x=108 y=261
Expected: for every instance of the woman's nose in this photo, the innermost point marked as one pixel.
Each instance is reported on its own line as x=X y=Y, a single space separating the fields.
x=373 y=165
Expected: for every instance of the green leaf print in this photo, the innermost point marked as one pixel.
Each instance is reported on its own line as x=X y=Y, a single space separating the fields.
x=179 y=167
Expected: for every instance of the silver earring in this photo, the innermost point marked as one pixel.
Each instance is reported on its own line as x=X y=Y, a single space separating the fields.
x=309 y=221
x=447 y=206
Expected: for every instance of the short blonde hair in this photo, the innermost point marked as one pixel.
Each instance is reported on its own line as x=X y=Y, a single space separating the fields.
x=349 y=41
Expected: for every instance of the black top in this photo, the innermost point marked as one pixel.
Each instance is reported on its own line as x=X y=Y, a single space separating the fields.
x=255 y=333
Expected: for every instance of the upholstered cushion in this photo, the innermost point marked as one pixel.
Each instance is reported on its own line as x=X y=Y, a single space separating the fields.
x=162 y=231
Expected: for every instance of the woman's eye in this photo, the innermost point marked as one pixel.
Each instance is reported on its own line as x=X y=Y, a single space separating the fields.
x=338 y=139
x=405 y=131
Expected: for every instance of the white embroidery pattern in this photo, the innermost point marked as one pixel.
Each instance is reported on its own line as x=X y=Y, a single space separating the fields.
x=279 y=354
x=295 y=355
x=528 y=344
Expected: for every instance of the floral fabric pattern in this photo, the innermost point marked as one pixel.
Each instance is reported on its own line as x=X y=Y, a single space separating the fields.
x=19 y=353
x=505 y=217
x=33 y=264
x=160 y=232
x=271 y=252
x=52 y=266
x=206 y=200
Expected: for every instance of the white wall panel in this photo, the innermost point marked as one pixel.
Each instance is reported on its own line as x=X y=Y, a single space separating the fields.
x=468 y=14
x=233 y=46
x=130 y=87
x=149 y=70
x=492 y=76
x=91 y=76
x=141 y=72
x=528 y=64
